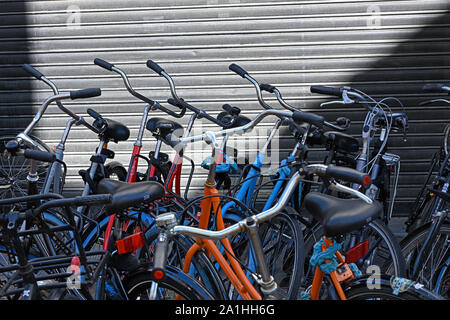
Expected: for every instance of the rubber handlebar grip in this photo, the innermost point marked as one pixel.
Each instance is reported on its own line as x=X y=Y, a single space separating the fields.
x=308 y=117
x=85 y=93
x=434 y=87
x=39 y=155
x=267 y=87
x=154 y=66
x=95 y=199
x=237 y=69
x=32 y=71
x=175 y=103
x=104 y=64
x=348 y=174
x=327 y=90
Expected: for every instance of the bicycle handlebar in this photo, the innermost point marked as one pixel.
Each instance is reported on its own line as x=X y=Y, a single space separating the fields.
x=327 y=90
x=96 y=199
x=154 y=104
x=38 y=75
x=436 y=88
x=39 y=155
x=244 y=74
x=85 y=93
x=32 y=71
x=341 y=123
x=238 y=70
x=104 y=64
x=200 y=112
x=155 y=67
x=319 y=169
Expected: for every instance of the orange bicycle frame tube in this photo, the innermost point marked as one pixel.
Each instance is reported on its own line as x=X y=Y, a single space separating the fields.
x=318 y=275
x=234 y=272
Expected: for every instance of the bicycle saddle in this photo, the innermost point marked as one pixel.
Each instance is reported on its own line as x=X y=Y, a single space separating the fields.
x=225 y=117
x=341 y=142
x=340 y=216
x=116 y=131
x=163 y=126
x=125 y=195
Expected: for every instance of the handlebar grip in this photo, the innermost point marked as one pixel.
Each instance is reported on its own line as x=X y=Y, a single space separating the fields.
x=348 y=174
x=32 y=71
x=39 y=155
x=104 y=64
x=307 y=117
x=343 y=121
x=231 y=110
x=174 y=103
x=327 y=90
x=267 y=87
x=95 y=199
x=155 y=67
x=94 y=114
x=85 y=93
x=434 y=87
x=237 y=69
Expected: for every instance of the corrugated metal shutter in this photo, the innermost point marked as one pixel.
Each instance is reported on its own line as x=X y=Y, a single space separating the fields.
x=381 y=47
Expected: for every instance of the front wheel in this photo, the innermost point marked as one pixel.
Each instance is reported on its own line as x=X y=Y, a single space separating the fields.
x=434 y=272
x=174 y=283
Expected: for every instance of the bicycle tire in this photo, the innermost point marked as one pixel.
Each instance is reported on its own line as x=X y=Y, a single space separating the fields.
x=175 y=280
x=201 y=266
x=384 y=290
x=441 y=276
x=14 y=172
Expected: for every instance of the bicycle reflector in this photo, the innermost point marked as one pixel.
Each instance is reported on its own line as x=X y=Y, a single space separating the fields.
x=130 y=243
x=366 y=181
x=158 y=274
x=357 y=252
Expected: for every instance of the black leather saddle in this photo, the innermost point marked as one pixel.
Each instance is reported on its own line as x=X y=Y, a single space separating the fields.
x=342 y=142
x=125 y=195
x=163 y=126
x=340 y=216
x=116 y=131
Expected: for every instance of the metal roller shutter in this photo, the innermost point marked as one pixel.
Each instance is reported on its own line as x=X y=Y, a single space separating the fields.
x=381 y=47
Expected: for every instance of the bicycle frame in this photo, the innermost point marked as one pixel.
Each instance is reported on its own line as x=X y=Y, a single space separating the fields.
x=319 y=274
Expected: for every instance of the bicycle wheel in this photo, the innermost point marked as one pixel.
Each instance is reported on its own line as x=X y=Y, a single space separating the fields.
x=14 y=171
x=377 y=248
x=435 y=270
x=387 y=288
x=174 y=283
x=423 y=217
x=201 y=267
